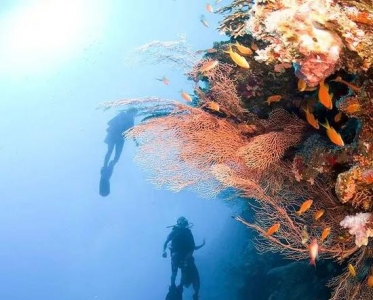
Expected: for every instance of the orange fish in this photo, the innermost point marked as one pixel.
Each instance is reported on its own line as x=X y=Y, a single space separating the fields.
x=324 y=97
x=209 y=8
x=213 y=106
x=164 y=80
x=333 y=135
x=254 y=46
x=186 y=96
x=304 y=207
x=301 y=85
x=338 y=117
x=242 y=49
x=370 y=281
x=350 y=85
x=352 y=270
x=311 y=119
x=313 y=249
x=209 y=65
x=273 y=98
x=325 y=234
x=319 y=214
x=238 y=59
x=274 y=228
x=211 y=50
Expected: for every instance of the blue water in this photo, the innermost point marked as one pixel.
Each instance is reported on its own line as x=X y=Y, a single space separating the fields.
x=58 y=238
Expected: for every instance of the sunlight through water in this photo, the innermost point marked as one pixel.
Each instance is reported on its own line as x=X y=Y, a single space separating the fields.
x=43 y=35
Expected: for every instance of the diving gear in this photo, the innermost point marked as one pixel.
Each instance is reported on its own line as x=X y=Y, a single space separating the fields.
x=182 y=222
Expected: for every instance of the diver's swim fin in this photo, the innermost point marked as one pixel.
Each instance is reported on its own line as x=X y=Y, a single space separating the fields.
x=105 y=180
x=175 y=293
x=104 y=187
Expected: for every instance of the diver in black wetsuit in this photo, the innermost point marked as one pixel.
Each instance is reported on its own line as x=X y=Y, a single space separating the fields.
x=182 y=248
x=115 y=141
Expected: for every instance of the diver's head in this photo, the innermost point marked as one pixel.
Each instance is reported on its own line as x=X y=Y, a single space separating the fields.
x=182 y=222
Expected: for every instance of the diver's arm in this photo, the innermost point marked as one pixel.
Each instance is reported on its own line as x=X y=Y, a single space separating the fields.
x=200 y=246
x=165 y=244
x=169 y=238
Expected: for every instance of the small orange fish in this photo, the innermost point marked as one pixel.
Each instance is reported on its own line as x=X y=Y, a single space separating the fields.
x=273 y=98
x=238 y=59
x=273 y=229
x=209 y=65
x=338 y=117
x=353 y=108
x=325 y=234
x=301 y=85
x=209 y=8
x=319 y=214
x=304 y=207
x=313 y=249
x=213 y=106
x=242 y=49
x=204 y=22
x=324 y=97
x=186 y=96
x=370 y=281
x=164 y=80
x=352 y=270
x=350 y=85
x=211 y=50
x=333 y=135
x=311 y=119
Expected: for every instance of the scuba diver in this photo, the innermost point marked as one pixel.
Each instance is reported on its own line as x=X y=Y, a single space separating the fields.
x=181 y=251
x=115 y=140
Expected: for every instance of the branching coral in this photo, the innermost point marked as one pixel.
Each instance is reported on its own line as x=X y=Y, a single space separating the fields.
x=234 y=23
x=177 y=54
x=348 y=287
x=222 y=88
x=280 y=206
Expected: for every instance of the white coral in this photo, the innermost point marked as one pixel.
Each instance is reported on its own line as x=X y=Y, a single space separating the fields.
x=358 y=227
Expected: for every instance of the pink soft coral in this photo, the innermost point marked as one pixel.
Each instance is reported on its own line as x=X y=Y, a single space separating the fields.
x=358 y=226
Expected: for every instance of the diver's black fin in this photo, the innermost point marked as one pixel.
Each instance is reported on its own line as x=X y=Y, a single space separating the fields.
x=175 y=293
x=106 y=173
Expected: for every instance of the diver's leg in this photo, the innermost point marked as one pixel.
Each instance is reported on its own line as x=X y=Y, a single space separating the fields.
x=118 y=149
x=174 y=268
x=110 y=148
x=196 y=282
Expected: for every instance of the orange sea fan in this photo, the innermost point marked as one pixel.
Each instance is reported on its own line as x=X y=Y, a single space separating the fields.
x=283 y=131
x=266 y=149
x=178 y=150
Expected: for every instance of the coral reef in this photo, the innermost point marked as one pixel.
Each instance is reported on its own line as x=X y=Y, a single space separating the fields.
x=319 y=37
x=252 y=128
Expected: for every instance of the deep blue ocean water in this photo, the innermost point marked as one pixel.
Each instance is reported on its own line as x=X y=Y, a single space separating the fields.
x=59 y=239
